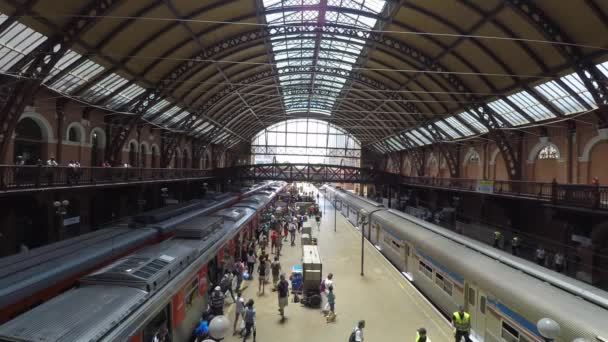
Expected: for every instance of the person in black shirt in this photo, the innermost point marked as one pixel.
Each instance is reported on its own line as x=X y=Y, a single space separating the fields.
x=283 y=291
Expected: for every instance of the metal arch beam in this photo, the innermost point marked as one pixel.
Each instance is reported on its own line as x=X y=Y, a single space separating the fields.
x=367 y=81
x=39 y=62
x=594 y=80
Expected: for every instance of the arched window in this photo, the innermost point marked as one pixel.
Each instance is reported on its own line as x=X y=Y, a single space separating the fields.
x=474 y=157
x=548 y=152
x=28 y=141
x=306 y=141
x=73 y=135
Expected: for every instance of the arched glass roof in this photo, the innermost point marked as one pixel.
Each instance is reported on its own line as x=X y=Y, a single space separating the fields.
x=306 y=141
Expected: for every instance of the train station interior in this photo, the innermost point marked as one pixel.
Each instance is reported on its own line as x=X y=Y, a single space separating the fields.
x=420 y=169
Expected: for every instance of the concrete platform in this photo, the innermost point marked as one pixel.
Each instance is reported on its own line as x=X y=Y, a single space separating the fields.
x=390 y=305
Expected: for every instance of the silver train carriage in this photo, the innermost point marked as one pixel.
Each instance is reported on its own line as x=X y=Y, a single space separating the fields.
x=505 y=295
x=160 y=286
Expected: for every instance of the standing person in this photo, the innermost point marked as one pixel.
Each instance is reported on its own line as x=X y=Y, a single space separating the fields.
x=273 y=241
x=285 y=231
x=276 y=271
x=331 y=300
x=515 y=245
x=300 y=220
x=421 y=335
x=279 y=246
x=497 y=238
x=262 y=274
x=558 y=260
x=217 y=302
x=318 y=219
x=251 y=263
x=263 y=242
x=292 y=233
x=226 y=285
x=357 y=334
x=540 y=256
x=238 y=310
x=239 y=268
x=324 y=290
x=249 y=318
x=461 y=321
x=283 y=291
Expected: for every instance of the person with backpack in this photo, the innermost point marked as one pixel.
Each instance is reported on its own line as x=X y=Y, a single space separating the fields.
x=262 y=274
x=323 y=291
x=249 y=318
x=226 y=285
x=273 y=241
x=283 y=291
x=292 y=233
x=217 y=301
x=251 y=258
x=357 y=334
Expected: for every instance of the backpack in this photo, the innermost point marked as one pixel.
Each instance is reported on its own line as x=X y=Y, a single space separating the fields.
x=322 y=286
x=353 y=336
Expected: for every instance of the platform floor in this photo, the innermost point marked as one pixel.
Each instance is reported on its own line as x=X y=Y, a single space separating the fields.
x=390 y=305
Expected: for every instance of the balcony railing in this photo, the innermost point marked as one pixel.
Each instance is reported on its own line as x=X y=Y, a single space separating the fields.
x=586 y=196
x=31 y=177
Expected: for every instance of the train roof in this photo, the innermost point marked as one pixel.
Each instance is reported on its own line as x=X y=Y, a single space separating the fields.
x=26 y=273
x=165 y=213
x=458 y=257
x=83 y=314
x=359 y=202
x=235 y=213
x=147 y=269
x=199 y=228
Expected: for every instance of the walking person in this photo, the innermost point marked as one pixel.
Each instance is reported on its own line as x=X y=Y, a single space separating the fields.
x=323 y=290
x=239 y=310
x=331 y=300
x=283 y=292
x=249 y=318
x=226 y=285
x=497 y=238
x=461 y=321
x=357 y=334
x=515 y=245
x=251 y=258
x=292 y=234
x=276 y=271
x=558 y=260
x=262 y=274
x=273 y=241
x=239 y=269
x=279 y=246
x=540 y=256
x=421 y=335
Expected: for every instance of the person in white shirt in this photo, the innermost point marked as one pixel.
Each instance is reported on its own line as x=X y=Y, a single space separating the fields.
x=558 y=260
x=540 y=256
x=238 y=312
x=324 y=290
x=358 y=331
x=51 y=162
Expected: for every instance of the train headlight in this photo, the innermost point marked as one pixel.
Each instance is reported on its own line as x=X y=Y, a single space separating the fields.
x=548 y=328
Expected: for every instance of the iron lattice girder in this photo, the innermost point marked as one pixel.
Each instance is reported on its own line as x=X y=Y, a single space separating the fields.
x=451 y=159
x=594 y=80
x=33 y=68
x=308 y=173
x=226 y=91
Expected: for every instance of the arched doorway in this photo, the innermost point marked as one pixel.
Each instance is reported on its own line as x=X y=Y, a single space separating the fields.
x=132 y=154
x=472 y=165
x=546 y=165
x=154 y=160
x=29 y=142
x=598 y=166
x=95 y=149
x=143 y=152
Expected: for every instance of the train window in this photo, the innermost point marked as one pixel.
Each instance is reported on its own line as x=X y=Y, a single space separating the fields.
x=472 y=296
x=426 y=270
x=439 y=279
x=447 y=287
x=482 y=304
x=192 y=291
x=509 y=333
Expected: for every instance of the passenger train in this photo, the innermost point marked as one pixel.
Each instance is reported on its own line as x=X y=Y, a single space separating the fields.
x=505 y=295
x=31 y=278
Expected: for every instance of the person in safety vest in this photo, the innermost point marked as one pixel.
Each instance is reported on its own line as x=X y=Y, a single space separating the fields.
x=217 y=301
x=421 y=335
x=462 y=324
x=497 y=238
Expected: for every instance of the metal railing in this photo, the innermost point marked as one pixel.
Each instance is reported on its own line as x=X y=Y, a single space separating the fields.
x=576 y=195
x=14 y=177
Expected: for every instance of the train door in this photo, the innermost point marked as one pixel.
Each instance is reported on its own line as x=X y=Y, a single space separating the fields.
x=160 y=324
x=476 y=304
x=406 y=254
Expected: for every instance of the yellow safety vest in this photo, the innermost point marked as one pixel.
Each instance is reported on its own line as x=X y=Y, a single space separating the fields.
x=462 y=323
x=418 y=337
x=515 y=241
x=497 y=235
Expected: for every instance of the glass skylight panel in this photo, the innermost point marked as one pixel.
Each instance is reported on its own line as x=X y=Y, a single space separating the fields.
x=16 y=41
x=420 y=136
x=603 y=68
x=166 y=115
x=459 y=126
x=473 y=122
x=508 y=112
x=447 y=129
x=531 y=106
x=335 y=50
x=76 y=77
x=413 y=139
x=562 y=99
x=158 y=106
x=104 y=87
x=125 y=96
